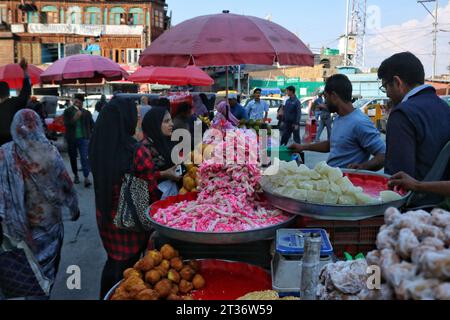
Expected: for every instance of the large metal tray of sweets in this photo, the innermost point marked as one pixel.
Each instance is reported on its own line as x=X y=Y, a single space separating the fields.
x=371 y=182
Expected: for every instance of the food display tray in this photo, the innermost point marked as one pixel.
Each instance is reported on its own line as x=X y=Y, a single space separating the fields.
x=211 y=237
x=372 y=184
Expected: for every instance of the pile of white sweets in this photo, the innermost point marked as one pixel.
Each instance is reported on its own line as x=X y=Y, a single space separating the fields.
x=322 y=185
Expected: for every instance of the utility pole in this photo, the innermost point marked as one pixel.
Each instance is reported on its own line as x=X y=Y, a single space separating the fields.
x=346 y=34
x=355 y=29
x=435 y=31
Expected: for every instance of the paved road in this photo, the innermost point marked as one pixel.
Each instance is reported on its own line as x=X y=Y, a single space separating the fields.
x=83 y=248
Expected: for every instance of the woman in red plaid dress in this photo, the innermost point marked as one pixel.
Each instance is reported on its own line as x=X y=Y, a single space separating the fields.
x=111 y=155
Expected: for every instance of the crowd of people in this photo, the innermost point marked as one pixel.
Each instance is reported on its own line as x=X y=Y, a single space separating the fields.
x=136 y=139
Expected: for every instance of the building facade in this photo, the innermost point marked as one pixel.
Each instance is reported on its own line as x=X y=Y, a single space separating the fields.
x=44 y=31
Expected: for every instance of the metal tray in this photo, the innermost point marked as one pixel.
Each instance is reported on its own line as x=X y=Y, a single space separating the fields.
x=334 y=212
x=221 y=237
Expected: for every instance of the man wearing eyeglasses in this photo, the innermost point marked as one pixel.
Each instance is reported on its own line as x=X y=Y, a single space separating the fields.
x=419 y=123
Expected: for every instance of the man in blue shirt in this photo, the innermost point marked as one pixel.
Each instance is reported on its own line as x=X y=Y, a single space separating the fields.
x=257 y=109
x=236 y=108
x=292 y=115
x=354 y=138
x=418 y=126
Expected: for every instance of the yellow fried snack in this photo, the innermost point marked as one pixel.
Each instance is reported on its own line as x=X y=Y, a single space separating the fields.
x=131 y=272
x=173 y=276
x=187 y=273
x=185 y=286
x=156 y=256
x=176 y=263
x=152 y=276
x=198 y=282
x=164 y=288
x=147 y=294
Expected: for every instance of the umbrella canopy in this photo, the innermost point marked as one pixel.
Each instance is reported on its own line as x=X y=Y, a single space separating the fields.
x=173 y=76
x=83 y=68
x=13 y=75
x=226 y=39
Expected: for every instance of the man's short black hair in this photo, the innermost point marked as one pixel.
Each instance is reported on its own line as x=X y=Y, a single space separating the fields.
x=291 y=88
x=4 y=90
x=257 y=90
x=404 y=65
x=341 y=85
x=79 y=96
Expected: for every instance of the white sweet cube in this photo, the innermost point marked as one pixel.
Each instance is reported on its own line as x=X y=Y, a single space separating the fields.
x=363 y=199
x=389 y=196
x=316 y=196
x=307 y=185
x=315 y=175
x=300 y=194
x=331 y=198
x=334 y=174
x=335 y=188
x=345 y=184
x=347 y=200
x=322 y=168
x=322 y=185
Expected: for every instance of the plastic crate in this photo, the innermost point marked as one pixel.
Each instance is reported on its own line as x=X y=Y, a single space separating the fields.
x=348 y=236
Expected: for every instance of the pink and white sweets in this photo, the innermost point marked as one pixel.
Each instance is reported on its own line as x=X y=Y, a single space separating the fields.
x=227 y=201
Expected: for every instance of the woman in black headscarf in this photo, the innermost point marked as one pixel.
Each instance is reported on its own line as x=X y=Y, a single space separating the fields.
x=111 y=156
x=153 y=161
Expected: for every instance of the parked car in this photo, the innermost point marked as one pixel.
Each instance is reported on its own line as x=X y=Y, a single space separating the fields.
x=366 y=105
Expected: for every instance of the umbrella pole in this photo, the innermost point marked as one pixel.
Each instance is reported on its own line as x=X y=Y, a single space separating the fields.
x=226 y=84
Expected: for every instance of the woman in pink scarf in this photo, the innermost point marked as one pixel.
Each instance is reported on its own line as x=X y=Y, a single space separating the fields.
x=224 y=117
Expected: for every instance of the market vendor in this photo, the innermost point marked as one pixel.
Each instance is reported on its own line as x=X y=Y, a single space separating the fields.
x=417 y=128
x=354 y=138
x=236 y=108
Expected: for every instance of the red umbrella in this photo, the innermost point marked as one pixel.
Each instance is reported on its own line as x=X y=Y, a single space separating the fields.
x=190 y=75
x=83 y=68
x=226 y=39
x=13 y=75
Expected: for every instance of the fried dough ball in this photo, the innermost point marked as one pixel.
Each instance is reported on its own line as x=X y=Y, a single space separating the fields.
x=145 y=264
x=187 y=273
x=185 y=286
x=121 y=296
x=156 y=256
x=147 y=294
x=173 y=276
x=176 y=263
x=168 y=252
x=198 y=282
x=131 y=282
x=130 y=272
x=188 y=297
x=153 y=276
x=195 y=265
x=175 y=288
x=164 y=288
x=135 y=290
x=174 y=297
x=165 y=264
x=162 y=271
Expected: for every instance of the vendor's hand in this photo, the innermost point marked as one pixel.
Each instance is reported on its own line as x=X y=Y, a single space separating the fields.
x=403 y=181
x=24 y=65
x=76 y=216
x=296 y=147
x=357 y=166
x=171 y=174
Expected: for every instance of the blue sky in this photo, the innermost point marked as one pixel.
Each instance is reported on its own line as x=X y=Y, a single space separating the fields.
x=321 y=22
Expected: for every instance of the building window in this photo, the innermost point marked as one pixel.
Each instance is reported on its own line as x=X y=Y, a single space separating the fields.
x=3 y=14
x=133 y=56
x=117 y=16
x=49 y=14
x=158 y=19
x=92 y=16
x=136 y=17
x=74 y=15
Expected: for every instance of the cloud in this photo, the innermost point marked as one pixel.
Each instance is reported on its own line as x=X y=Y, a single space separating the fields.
x=413 y=35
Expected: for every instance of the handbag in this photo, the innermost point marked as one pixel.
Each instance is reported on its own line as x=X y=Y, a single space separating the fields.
x=20 y=272
x=134 y=201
